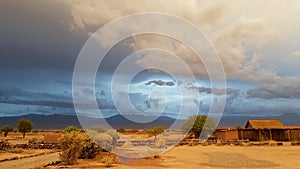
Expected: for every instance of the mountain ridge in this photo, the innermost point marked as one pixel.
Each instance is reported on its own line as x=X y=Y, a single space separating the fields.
x=60 y=121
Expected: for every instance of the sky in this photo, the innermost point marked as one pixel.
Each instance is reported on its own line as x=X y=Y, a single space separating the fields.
x=257 y=41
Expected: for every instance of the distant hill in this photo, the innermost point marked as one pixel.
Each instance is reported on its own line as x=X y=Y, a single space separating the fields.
x=58 y=121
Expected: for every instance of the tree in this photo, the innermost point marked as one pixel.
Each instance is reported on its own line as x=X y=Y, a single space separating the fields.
x=195 y=125
x=24 y=126
x=6 y=129
x=70 y=129
x=154 y=131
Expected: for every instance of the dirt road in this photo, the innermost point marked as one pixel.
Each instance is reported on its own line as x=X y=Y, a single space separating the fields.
x=31 y=162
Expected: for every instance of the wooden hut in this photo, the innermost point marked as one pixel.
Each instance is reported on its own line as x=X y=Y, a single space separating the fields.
x=260 y=130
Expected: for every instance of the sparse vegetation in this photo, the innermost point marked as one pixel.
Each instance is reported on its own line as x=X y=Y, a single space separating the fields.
x=196 y=125
x=89 y=150
x=156 y=131
x=205 y=143
x=12 y=150
x=70 y=129
x=6 y=129
x=99 y=129
x=121 y=130
x=24 y=126
x=104 y=140
x=72 y=144
x=108 y=161
x=272 y=143
x=107 y=140
x=244 y=144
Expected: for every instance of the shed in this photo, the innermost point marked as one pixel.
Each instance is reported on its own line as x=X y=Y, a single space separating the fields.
x=264 y=124
x=265 y=129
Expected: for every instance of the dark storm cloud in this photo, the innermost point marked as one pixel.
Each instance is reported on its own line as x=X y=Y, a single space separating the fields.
x=216 y=91
x=35 y=37
x=59 y=100
x=267 y=93
x=160 y=83
x=284 y=88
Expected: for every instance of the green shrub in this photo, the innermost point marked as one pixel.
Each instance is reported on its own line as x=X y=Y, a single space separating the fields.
x=24 y=126
x=6 y=129
x=70 y=129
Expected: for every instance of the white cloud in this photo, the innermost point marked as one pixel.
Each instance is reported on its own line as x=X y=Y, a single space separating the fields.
x=239 y=30
x=296 y=53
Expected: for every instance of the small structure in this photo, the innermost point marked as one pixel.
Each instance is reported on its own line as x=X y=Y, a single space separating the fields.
x=261 y=130
x=227 y=134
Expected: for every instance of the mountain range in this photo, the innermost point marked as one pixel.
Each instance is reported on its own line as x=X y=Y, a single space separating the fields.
x=58 y=121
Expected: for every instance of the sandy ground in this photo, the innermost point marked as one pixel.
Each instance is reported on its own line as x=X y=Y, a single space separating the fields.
x=25 y=153
x=31 y=162
x=214 y=157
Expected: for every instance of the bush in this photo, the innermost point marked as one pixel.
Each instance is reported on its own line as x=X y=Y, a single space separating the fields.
x=108 y=161
x=272 y=143
x=70 y=129
x=104 y=140
x=115 y=137
x=245 y=144
x=72 y=144
x=99 y=129
x=89 y=150
x=133 y=131
x=205 y=144
x=12 y=150
x=107 y=140
x=121 y=130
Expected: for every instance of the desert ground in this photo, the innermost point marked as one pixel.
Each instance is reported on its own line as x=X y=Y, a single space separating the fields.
x=212 y=157
x=198 y=156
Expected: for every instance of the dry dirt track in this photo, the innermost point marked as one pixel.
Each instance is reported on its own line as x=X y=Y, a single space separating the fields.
x=30 y=162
